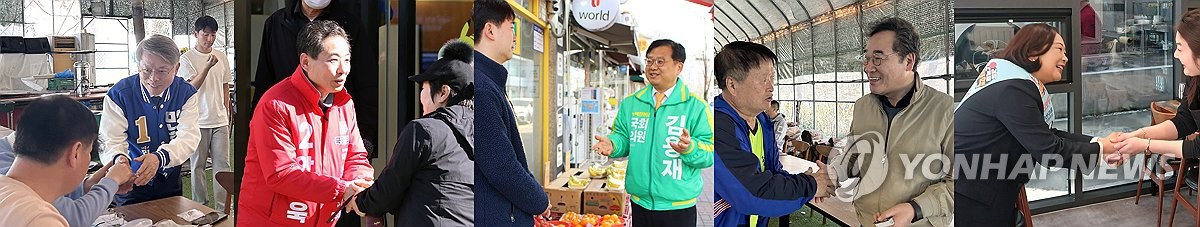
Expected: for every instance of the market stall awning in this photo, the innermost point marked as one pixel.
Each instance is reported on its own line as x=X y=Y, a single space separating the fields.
x=617 y=58
x=618 y=38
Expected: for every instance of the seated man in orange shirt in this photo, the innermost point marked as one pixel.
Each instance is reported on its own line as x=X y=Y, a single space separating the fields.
x=54 y=143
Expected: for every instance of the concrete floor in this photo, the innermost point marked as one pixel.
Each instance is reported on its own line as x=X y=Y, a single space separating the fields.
x=704 y=204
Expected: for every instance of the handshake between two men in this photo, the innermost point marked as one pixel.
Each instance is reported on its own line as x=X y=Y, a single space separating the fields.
x=823 y=177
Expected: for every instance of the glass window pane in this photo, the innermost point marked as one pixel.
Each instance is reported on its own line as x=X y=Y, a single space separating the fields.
x=111 y=47
x=1056 y=181
x=823 y=46
x=112 y=59
x=940 y=85
x=979 y=42
x=527 y=4
x=524 y=75
x=110 y=76
x=106 y=25
x=8 y=29
x=1127 y=64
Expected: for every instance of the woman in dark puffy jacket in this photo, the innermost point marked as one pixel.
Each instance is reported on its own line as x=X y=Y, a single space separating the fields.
x=430 y=178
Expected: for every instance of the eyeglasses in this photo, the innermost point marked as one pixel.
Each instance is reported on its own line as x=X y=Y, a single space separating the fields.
x=876 y=58
x=152 y=72
x=656 y=61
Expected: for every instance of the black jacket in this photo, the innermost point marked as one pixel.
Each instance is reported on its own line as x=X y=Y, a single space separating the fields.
x=430 y=178
x=1185 y=124
x=1006 y=119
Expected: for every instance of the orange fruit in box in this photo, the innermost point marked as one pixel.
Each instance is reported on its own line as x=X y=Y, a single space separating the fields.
x=573 y=219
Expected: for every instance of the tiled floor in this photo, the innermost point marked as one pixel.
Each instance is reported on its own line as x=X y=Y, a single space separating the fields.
x=1120 y=212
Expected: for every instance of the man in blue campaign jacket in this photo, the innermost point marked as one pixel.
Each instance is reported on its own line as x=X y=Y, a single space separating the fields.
x=506 y=193
x=751 y=184
x=150 y=118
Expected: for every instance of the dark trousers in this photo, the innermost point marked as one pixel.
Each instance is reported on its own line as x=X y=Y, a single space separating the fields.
x=349 y=220
x=665 y=218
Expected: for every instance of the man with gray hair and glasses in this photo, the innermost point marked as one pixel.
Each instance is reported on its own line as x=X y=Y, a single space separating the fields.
x=900 y=121
x=150 y=121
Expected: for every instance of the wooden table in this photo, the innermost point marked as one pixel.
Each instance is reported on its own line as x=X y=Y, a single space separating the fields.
x=842 y=213
x=166 y=208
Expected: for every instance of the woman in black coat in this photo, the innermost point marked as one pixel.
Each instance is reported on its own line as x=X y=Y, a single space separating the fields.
x=1003 y=126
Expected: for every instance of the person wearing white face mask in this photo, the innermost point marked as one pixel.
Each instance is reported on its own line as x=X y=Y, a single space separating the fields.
x=277 y=59
x=317 y=4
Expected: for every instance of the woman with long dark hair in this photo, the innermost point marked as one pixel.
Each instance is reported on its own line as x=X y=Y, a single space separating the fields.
x=1003 y=126
x=1167 y=138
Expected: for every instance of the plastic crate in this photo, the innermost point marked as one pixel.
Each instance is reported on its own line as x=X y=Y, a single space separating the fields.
x=58 y=84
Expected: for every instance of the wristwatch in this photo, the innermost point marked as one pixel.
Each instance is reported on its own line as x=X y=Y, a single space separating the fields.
x=917 y=216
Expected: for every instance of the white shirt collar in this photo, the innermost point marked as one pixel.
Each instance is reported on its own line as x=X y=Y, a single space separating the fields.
x=666 y=93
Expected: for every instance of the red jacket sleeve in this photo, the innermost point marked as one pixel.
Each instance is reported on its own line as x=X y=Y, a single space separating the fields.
x=282 y=173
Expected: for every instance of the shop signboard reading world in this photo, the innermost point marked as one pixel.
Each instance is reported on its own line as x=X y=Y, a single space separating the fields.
x=596 y=15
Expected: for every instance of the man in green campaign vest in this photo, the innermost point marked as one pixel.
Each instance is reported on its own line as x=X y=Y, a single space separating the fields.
x=666 y=132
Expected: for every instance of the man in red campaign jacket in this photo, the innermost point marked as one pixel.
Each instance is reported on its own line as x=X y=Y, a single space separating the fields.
x=305 y=155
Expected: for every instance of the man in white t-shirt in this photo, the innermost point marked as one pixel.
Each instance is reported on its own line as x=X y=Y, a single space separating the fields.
x=54 y=142
x=207 y=69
